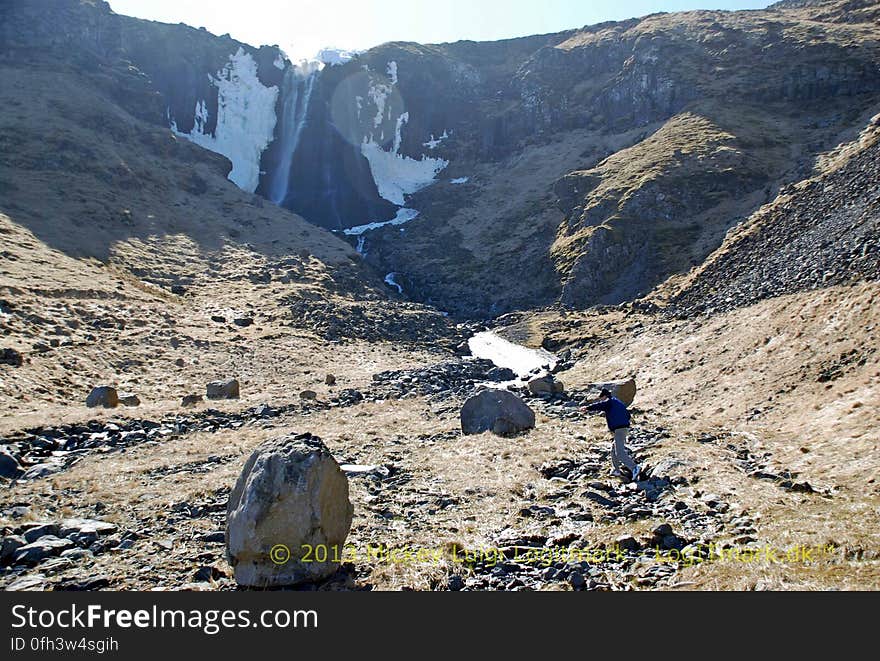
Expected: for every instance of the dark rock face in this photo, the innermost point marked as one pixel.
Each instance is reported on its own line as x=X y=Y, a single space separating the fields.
x=498 y=411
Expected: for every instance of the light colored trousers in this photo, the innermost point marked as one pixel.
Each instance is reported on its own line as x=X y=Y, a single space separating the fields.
x=619 y=452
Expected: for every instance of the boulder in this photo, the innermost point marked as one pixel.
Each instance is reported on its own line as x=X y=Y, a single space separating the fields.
x=330 y=380
x=129 y=400
x=39 y=550
x=625 y=391
x=498 y=411
x=291 y=494
x=9 y=466
x=10 y=357
x=501 y=374
x=546 y=385
x=8 y=546
x=35 y=531
x=191 y=400
x=223 y=389
x=105 y=396
x=309 y=395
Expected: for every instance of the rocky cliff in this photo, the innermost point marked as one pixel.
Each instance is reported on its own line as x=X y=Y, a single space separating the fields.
x=581 y=167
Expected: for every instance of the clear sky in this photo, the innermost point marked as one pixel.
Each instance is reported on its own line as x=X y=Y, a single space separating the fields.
x=302 y=27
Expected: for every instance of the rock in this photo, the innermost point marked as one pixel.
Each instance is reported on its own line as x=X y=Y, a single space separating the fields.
x=330 y=380
x=223 y=389
x=207 y=573
x=243 y=322
x=44 y=547
x=662 y=530
x=546 y=385
x=129 y=400
x=627 y=543
x=34 y=533
x=40 y=471
x=309 y=395
x=105 y=396
x=191 y=400
x=625 y=391
x=498 y=411
x=577 y=581
x=84 y=532
x=9 y=466
x=180 y=362
x=501 y=374
x=87 y=584
x=41 y=443
x=35 y=582
x=11 y=357
x=178 y=290
x=8 y=546
x=455 y=583
x=217 y=537
x=291 y=492
x=217 y=319
x=76 y=554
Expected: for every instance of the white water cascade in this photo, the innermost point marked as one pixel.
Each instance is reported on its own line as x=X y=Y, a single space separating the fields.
x=296 y=91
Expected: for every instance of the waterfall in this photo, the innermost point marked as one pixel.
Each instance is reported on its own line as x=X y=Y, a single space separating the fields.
x=296 y=91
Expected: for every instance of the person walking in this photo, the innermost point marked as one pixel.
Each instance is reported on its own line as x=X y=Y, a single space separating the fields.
x=618 y=418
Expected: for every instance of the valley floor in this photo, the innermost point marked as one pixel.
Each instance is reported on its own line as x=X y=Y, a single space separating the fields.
x=763 y=460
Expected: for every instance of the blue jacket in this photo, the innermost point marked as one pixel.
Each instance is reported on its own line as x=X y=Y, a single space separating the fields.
x=616 y=413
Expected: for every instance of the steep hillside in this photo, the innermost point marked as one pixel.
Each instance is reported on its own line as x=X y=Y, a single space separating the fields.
x=128 y=256
x=820 y=232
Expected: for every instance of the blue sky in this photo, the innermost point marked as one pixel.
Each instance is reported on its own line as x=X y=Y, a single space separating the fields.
x=301 y=27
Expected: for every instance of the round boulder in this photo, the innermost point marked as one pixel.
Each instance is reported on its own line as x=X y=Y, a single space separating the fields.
x=498 y=411
x=105 y=396
x=289 y=514
x=223 y=390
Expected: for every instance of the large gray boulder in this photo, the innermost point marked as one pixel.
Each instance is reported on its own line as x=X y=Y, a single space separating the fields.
x=105 y=396
x=498 y=411
x=223 y=389
x=291 y=495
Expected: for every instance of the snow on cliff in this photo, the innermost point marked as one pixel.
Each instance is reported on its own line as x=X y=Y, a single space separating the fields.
x=395 y=175
x=245 y=119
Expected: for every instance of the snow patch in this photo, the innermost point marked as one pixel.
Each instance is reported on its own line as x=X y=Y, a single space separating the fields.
x=362 y=246
x=396 y=175
x=503 y=353
x=279 y=60
x=460 y=180
x=433 y=143
x=336 y=56
x=392 y=72
x=403 y=216
x=245 y=119
x=389 y=280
